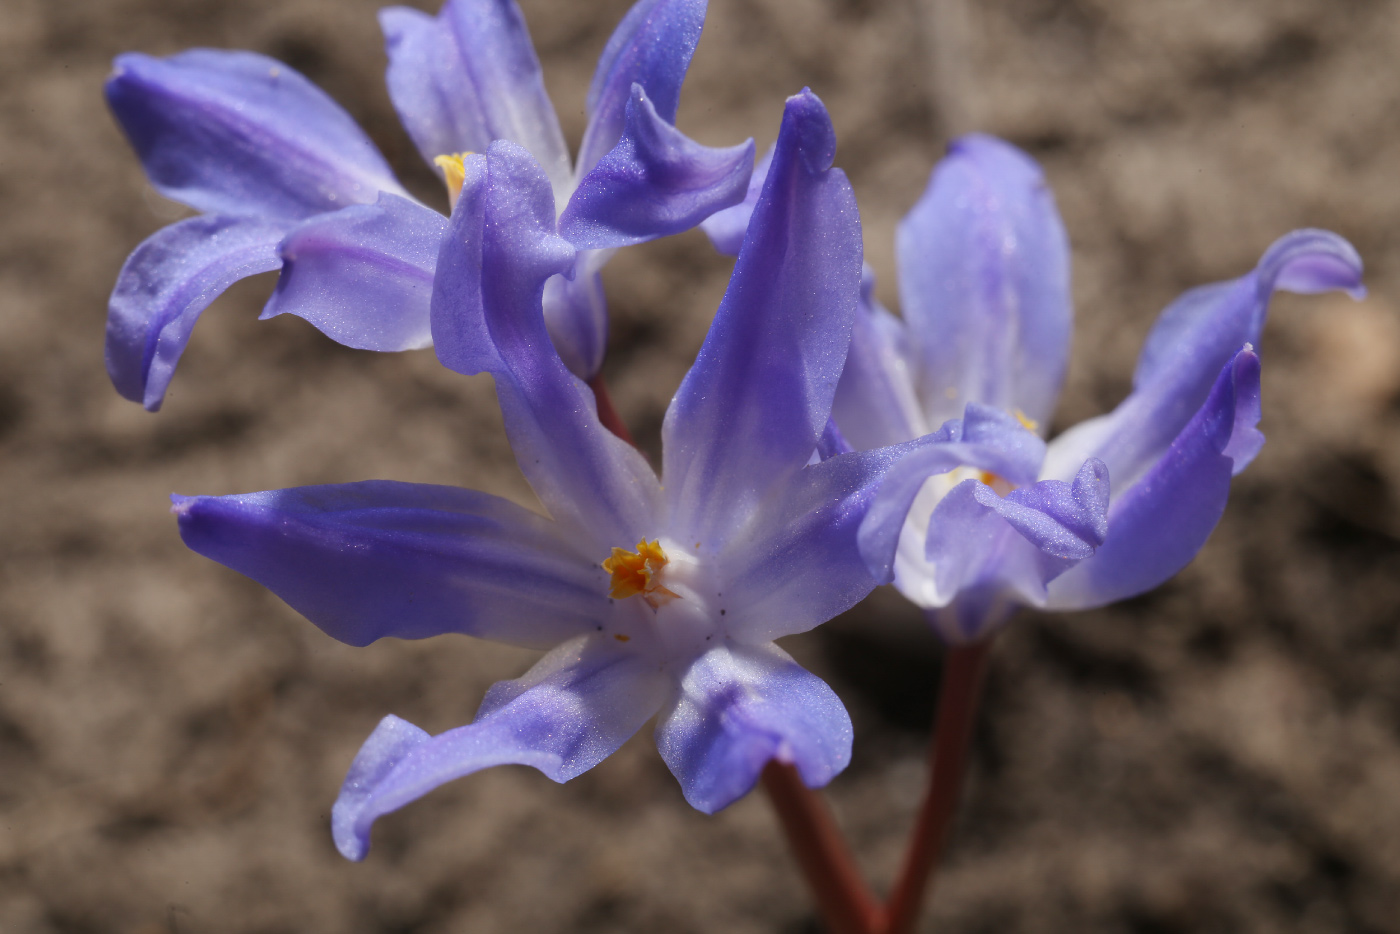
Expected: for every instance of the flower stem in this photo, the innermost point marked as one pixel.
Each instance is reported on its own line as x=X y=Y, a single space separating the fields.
x=845 y=901
x=606 y=413
x=963 y=668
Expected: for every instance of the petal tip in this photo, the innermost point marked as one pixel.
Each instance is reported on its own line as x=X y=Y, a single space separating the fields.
x=806 y=116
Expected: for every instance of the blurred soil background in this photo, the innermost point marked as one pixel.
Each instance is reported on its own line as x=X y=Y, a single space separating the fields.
x=1220 y=755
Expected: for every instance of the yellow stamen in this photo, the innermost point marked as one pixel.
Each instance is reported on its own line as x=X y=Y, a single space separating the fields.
x=1026 y=421
x=454 y=173
x=635 y=572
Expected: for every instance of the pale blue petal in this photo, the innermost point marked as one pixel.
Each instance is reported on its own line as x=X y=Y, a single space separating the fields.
x=165 y=285
x=984 y=283
x=652 y=47
x=749 y=412
x=876 y=403
x=726 y=229
x=470 y=76
x=799 y=563
x=1156 y=525
x=367 y=560
x=487 y=316
x=576 y=315
x=741 y=707
x=567 y=714
x=654 y=183
x=363 y=275
x=243 y=134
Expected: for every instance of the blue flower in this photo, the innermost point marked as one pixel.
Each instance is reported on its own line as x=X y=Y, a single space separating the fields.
x=657 y=601
x=984 y=283
x=286 y=179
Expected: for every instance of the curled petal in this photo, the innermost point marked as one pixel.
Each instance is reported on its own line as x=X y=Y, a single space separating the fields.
x=243 y=134
x=568 y=713
x=487 y=316
x=367 y=560
x=469 y=76
x=984 y=283
x=984 y=555
x=652 y=47
x=740 y=707
x=749 y=412
x=654 y=183
x=1064 y=520
x=876 y=403
x=1192 y=340
x=363 y=275
x=984 y=438
x=726 y=229
x=1156 y=525
x=165 y=285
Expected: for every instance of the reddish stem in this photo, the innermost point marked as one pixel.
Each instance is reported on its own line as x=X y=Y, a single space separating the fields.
x=606 y=413
x=963 y=668
x=845 y=901
x=841 y=893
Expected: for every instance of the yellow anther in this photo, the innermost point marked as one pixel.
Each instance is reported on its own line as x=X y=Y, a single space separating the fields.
x=635 y=572
x=454 y=173
x=1026 y=421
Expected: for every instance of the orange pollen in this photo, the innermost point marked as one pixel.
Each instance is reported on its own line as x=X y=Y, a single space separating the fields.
x=454 y=173
x=636 y=572
x=1026 y=421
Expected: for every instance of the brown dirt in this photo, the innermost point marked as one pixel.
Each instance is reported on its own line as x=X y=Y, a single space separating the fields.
x=1221 y=755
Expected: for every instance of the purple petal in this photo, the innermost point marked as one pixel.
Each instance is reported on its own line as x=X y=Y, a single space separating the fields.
x=487 y=316
x=363 y=275
x=974 y=563
x=367 y=560
x=654 y=183
x=243 y=134
x=165 y=285
x=576 y=315
x=1192 y=340
x=749 y=412
x=469 y=76
x=652 y=47
x=741 y=707
x=1064 y=520
x=984 y=283
x=568 y=713
x=800 y=563
x=986 y=438
x=1156 y=525
x=726 y=229
x=875 y=402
